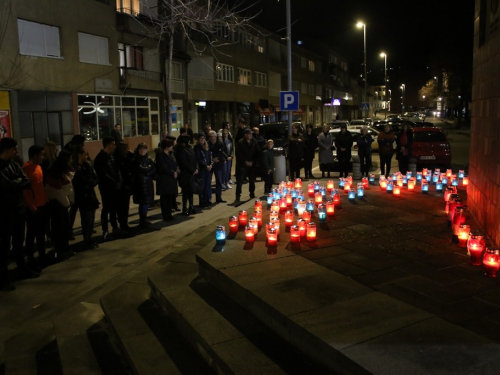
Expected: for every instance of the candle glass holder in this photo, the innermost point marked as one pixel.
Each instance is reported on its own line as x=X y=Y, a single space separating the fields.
x=233 y=224
x=220 y=235
x=491 y=262
x=311 y=232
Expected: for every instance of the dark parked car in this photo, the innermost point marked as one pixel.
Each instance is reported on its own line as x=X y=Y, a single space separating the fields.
x=395 y=124
x=431 y=148
x=278 y=132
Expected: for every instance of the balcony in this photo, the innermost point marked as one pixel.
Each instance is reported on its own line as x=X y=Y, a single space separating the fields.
x=144 y=74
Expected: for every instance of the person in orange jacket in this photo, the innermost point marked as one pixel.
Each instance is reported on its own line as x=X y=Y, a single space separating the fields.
x=35 y=200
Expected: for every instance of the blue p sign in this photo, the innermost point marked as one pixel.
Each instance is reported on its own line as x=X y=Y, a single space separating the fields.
x=289 y=100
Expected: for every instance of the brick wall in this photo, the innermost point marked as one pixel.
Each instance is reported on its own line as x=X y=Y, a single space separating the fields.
x=484 y=168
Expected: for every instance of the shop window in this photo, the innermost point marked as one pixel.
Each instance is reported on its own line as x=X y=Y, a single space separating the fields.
x=93 y=49
x=143 y=121
x=36 y=39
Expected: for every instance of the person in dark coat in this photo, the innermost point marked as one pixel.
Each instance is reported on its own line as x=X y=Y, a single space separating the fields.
x=216 y=149
x=143 y=169
x=247 y=153
x=404 y=142
x=268 y=166
x=343 y=143
x=311 y=143
x=241 y=130
x=204 y=159
x=166 y=183
x=124 y=162
x=188 y=166
x=84 y=183
x=325 y=143
x=13 y=182
x=385 y=141
x=116 y=133
x=364 y=142
x=295 y=152
x=229 y=151
x=110 y=183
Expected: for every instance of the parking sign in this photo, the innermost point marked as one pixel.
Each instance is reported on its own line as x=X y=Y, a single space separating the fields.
x=289 y=100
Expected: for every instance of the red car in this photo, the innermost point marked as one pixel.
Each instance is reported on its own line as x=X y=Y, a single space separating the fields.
x=430 y=147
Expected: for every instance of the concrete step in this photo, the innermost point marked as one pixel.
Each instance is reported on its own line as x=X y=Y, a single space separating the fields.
x=149 y=340
x=77 y=342
x=229 y=339
x=332 y=319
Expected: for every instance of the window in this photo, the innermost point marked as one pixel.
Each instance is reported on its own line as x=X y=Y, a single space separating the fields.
x=303 y=62
x=36 y=39
x=131 y=57
x=311 y=65
x=93 y=49
x=260 y=49
x=319 y=90
x=312 y=89
x=224 y=72
x=260 y=79
x=244 y=77
x=295 y=59
x=303 y=88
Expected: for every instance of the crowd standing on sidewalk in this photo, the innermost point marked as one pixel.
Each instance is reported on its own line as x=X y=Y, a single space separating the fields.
x=41 y=198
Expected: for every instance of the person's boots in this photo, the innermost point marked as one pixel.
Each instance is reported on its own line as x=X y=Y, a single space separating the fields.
x=144 y=222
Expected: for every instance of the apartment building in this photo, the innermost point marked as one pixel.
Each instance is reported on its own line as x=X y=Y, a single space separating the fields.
x=81 y=66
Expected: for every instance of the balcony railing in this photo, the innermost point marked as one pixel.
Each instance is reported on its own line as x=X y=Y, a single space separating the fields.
x=146 y=74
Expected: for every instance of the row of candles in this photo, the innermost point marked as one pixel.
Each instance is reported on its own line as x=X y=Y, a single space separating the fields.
x=473 y=240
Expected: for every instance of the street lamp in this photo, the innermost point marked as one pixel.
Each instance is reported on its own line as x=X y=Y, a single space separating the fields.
x=363 y=25
x=402 y=97
x=384 y=55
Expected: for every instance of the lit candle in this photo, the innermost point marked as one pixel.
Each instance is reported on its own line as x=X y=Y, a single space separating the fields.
x=330 y=208
x=435 y=178
x=336 y=199
x=419 y=176
x=283 y=204
x=439 y=186
x=301 y=207
x=318 y=198
x=322 y=213
x=448 y=173
x=294 y=234
x=364 y=181
x=408 y=174
x=465 y=181
x=491 y=262
x=352 y=194
x=463 y=235
x=301 y=223
x=243 y=218
x=311 y=232
x=289 y=184
x=253 y=223
x=233 y=224
x=220 y=235
x=310 y=206
x=371 y=179
x=258 y=216
x=425 y=186
x=270 y=199
x=347 y=187
x=397 y=190
x=298 y=183
x=276 y=223
x=390 y=187
x=475 y=246
x=461 y=174
x=341 y=182
x=272 y=236
x=289 y=200
x=361 y=191
x=289 y=218
x=275 y=206
x=306 y=216
x=316 y=186
x=448 y=192
x=310 y=190
x=249 y=234
x=274 y=215
x=330 y=185
x=383 y=184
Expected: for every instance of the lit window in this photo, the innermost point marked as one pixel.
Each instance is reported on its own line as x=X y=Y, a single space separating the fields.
x=260 y=49
x=311 y=65
x=36 y=39
x=244 y=77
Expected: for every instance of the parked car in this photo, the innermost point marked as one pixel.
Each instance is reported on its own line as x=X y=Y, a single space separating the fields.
x=354 y=150
x=395 y=124
x=357 y=122
x=336 y=124
x=430 y=147
x=368 y=121
x=425 y=124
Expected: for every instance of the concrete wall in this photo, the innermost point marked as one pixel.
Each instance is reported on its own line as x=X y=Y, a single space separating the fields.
x=484 y=169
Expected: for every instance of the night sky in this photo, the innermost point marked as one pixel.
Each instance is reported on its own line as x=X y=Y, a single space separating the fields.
x=420 y=38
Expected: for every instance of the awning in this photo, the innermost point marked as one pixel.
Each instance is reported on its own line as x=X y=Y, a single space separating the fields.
x=263 y=112
x=299 y=112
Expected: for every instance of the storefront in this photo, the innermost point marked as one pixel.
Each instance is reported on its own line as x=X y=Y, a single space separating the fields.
x=139 y=117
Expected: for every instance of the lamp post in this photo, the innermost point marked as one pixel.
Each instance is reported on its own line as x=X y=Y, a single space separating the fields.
x=289 y=56
x=402 y=97
x=384 y=55
x=359 y=25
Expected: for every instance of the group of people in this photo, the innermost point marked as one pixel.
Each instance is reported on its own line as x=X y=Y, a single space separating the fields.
x=42 y=196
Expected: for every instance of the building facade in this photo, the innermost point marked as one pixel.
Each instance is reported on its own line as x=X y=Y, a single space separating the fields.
x=484 y=168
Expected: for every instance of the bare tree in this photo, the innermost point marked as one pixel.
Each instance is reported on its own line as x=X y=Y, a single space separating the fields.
x=11 y=74
x=205 y=19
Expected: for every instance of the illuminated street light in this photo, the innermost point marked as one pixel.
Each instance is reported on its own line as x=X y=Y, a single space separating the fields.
x=402 y=97
x=384 y=55
x=363 y=25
